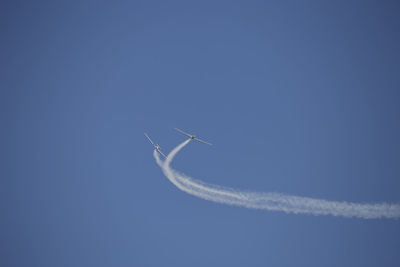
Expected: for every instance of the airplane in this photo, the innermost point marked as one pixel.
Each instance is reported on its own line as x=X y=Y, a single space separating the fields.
x=157 y=147
x=192 y=137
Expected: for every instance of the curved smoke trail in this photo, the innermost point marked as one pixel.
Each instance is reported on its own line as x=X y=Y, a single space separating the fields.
x=270 y=200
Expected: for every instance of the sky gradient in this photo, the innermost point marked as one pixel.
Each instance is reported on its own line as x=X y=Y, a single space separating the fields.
x=298 y=98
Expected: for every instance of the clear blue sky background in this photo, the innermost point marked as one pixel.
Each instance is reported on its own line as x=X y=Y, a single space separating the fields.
x=299 y=98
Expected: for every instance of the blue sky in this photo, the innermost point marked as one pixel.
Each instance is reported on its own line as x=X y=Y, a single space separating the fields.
x=298 y=98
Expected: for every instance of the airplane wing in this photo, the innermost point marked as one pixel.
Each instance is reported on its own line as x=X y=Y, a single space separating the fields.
x=182 y=132
x=149 y=139
x=162 y=153
x=202 y=141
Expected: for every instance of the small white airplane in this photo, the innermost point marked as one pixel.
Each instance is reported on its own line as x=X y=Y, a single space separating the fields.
x=156 y=147
x=192 y=137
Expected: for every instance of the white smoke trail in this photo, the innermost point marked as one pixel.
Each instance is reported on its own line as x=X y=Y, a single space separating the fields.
x=270 y=200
